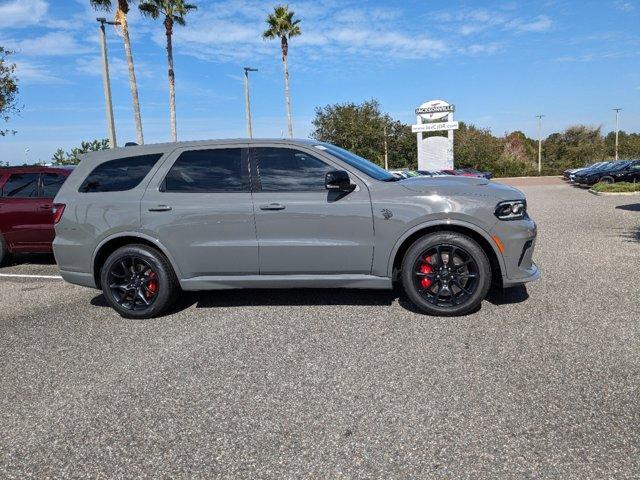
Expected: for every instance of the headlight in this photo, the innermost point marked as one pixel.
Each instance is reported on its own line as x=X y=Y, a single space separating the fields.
x=511 y=210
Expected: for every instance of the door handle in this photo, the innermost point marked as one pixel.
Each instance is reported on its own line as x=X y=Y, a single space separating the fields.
x=46 y=207
x=160 y=208
x=272 y=206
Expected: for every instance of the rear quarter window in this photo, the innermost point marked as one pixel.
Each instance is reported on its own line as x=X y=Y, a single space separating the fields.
x=119 y=175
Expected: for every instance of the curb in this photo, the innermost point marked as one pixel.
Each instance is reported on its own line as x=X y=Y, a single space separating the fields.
x=613 y=193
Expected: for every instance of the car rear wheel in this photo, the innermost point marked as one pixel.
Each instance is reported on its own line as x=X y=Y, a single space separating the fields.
x=138 y=282
x=446 y=274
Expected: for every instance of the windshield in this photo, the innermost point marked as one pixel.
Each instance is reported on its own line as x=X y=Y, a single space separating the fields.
x=365 y=166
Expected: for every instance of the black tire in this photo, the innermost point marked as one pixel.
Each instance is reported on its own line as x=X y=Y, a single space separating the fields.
x=4 y=252
x=467 y=278
x=138 y=282
x=607 y=179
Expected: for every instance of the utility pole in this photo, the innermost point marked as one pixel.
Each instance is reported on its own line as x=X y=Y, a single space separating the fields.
x=539 y=117
x=111 y=127
x=247 y=99
x=386 y=149
x=617 y=110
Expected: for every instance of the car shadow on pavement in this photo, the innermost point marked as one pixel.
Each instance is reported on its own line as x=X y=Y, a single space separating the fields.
x=314 y=297
x=632 y=207
x=30 y=259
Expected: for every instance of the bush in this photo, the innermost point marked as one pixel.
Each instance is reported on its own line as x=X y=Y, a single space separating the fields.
x=616 y=187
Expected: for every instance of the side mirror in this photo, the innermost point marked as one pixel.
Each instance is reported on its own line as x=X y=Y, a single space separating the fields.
x=339 y=180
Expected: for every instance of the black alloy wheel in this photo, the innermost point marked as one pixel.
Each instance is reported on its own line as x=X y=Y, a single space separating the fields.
x=133 y=283
x=446 y=274
x=138 y=282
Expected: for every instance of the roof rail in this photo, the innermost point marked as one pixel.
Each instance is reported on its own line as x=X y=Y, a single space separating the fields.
x=131 y=144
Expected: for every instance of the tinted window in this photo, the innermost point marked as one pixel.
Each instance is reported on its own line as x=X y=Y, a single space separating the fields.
x=119 y=175
x=51 y=183
x=216 y=170
x=21 y=185
x=284 y=169
x=365 y=166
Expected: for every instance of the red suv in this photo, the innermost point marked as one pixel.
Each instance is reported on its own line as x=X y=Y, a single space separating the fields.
x=27 y=212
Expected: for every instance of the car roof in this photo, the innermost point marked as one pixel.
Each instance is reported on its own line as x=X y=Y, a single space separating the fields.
x=36 y=168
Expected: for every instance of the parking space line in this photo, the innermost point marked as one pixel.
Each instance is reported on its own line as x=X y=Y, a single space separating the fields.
x=15 y=275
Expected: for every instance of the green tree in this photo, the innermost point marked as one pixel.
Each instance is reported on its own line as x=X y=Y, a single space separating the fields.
x=173 y=12
x=8 y=89
x=121 y=17
x=577 y=146
x=72 y=157
x=283 y=26
x=360 y=128
x=628 y=148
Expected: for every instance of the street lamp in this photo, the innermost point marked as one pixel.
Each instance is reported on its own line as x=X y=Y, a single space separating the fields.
x=539 y=117
x=247 y=100
x=111 y=127
x=617 y=110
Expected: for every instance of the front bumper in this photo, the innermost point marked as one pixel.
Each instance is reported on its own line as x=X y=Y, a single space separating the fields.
x=519 y=241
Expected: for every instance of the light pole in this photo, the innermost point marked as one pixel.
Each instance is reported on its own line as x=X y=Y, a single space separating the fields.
x=539 y=117
x=247 y=100
x=111 y=127
x=617 y=110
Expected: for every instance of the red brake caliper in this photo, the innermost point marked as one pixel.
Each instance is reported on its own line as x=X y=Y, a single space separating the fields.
x=426 y=268
x=152 y=288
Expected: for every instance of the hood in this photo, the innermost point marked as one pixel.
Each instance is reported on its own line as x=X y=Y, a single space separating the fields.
x=458 y=185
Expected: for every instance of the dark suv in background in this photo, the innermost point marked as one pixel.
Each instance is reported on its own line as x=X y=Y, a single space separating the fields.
x=621 y=171
x=27 y=212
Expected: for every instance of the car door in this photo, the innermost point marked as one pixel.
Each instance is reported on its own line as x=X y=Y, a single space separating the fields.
x=302 y=227
x=199 y=207
x=630 y=174
x=23 y=212
x=50 y=183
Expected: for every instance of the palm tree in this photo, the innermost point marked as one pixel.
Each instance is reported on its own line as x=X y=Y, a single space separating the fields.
x=121 y=17
x=283 y=26
x=173 y=12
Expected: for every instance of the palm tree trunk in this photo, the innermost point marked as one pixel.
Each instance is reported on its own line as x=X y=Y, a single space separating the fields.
x=287 y=94
x=172 y=85
x=133 y=84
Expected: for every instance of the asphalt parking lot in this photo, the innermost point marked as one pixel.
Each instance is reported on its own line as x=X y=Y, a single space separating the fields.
x=541 y=382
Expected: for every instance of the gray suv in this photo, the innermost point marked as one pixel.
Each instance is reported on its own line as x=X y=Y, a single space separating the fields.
x=144 y=222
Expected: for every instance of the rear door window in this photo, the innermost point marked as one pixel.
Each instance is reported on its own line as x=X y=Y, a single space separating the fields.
x=51 y=183
x=119 y=175
x=21 y=185
x=206 y=171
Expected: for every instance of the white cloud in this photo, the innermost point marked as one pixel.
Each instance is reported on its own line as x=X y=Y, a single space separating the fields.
x=541 y=23
x=231 y=31
x=22 y=13
x=29 y=72
x=50 y=44
x=624 y=6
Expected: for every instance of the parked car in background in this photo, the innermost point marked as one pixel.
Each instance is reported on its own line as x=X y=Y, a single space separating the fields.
x=149 y=221
x=570 y=173
x=596 y=167
x=611 y=173
x=467 y=172
x=27 y=212
x=477 y=173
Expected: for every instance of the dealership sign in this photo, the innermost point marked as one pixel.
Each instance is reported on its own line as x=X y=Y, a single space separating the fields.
x=435 y=127
x=435 y=110
x=435 y=152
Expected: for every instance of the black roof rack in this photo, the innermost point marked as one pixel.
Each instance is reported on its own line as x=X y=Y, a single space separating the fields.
x=131 y=144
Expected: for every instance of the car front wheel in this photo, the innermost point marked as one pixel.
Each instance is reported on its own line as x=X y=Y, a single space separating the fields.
x=446 y=274
x=138 y=282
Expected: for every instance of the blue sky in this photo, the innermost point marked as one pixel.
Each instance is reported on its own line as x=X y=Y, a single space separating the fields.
x=500 y=62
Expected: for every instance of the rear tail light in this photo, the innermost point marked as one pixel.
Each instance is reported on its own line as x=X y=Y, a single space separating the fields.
x=58 y=210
